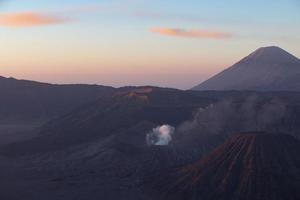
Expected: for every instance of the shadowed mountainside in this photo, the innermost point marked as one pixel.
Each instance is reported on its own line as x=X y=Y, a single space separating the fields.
x=250 y=166
x=130 y=113
x=101 y=147
x=99 y=150
x=23 y=100
x=126 y=115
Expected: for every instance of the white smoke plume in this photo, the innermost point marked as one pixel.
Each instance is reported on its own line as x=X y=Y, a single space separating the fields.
x=232 y=116
x=161 y=135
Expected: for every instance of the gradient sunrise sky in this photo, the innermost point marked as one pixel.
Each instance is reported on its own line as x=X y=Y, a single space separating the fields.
x=139 y=42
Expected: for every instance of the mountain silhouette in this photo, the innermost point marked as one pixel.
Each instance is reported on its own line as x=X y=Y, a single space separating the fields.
x=266 y=69
x=23 y=100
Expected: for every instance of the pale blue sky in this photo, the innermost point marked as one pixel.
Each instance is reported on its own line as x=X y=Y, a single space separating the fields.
x=110 y=42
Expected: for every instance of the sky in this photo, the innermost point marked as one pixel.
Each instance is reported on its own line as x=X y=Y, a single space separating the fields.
x=168 y=43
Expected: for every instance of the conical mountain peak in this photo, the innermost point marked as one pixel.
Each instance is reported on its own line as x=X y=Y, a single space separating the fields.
x=271 y=54
x=266 y=69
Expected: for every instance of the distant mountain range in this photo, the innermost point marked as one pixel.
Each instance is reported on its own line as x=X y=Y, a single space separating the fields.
x=23 y=100
x=266 y=69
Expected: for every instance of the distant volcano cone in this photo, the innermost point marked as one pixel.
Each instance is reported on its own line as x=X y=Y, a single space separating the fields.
x=266 y=69
x=271 y=54
x=249 y=166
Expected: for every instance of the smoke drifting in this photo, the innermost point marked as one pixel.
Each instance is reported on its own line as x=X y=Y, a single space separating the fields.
x=161 y=135
x=232 y=116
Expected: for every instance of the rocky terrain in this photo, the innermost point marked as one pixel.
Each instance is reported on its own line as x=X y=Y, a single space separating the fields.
x=247 y=166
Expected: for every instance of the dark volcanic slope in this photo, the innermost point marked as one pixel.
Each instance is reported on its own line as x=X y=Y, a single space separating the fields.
x=126 y=115
x=29 y=100
x=252 y=166
x=266 y=69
